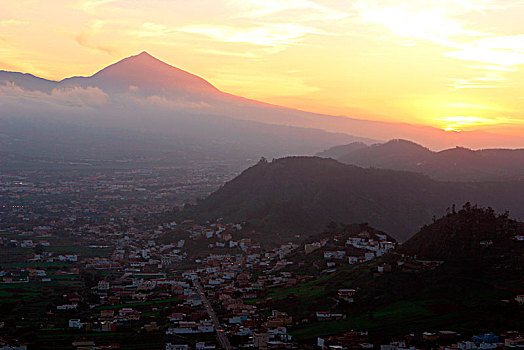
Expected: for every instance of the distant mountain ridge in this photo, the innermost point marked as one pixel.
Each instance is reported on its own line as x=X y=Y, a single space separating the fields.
x=301 y=195
x=456 y=164
x=145 y=78
x=171 y=113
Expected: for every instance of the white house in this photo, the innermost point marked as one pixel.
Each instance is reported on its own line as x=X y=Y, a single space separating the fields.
x=334 y=254
x=203 y=346
x=170 y=346
x=353 y=260
x=369 y=256
x=67 y=307
x=75 y=323
x=68 y=257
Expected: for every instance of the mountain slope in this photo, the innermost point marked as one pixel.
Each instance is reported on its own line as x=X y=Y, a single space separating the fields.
x=300 y=195
x=468 y=287
x=177 y=138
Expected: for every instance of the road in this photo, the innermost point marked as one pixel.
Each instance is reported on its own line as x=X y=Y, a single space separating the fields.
x=221 y=336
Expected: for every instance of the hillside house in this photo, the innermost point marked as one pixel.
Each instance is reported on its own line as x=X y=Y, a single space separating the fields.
x=309 y=248
x=75 y=323
x=346 y=294
x=339 y=254
x=353 y=260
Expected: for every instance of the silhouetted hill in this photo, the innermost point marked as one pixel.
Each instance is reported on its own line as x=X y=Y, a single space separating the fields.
x=300 y=195
x=472 y=231
x=456 y=164
x=389 y=155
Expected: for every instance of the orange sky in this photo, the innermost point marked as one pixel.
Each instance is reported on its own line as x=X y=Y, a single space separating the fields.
x=451 y=64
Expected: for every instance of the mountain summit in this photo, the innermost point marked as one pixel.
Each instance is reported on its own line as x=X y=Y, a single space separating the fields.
x=144 y=73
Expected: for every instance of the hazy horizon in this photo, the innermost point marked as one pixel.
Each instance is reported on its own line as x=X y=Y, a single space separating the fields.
x=144 y=83
x=450 y=65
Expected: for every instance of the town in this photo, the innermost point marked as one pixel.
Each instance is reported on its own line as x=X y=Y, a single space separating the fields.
x=99 y=263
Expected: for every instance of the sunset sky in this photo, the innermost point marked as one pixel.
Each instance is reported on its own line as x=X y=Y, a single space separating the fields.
x=456 y=65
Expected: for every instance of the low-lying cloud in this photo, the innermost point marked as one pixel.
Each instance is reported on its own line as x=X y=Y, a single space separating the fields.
x=68 y=96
